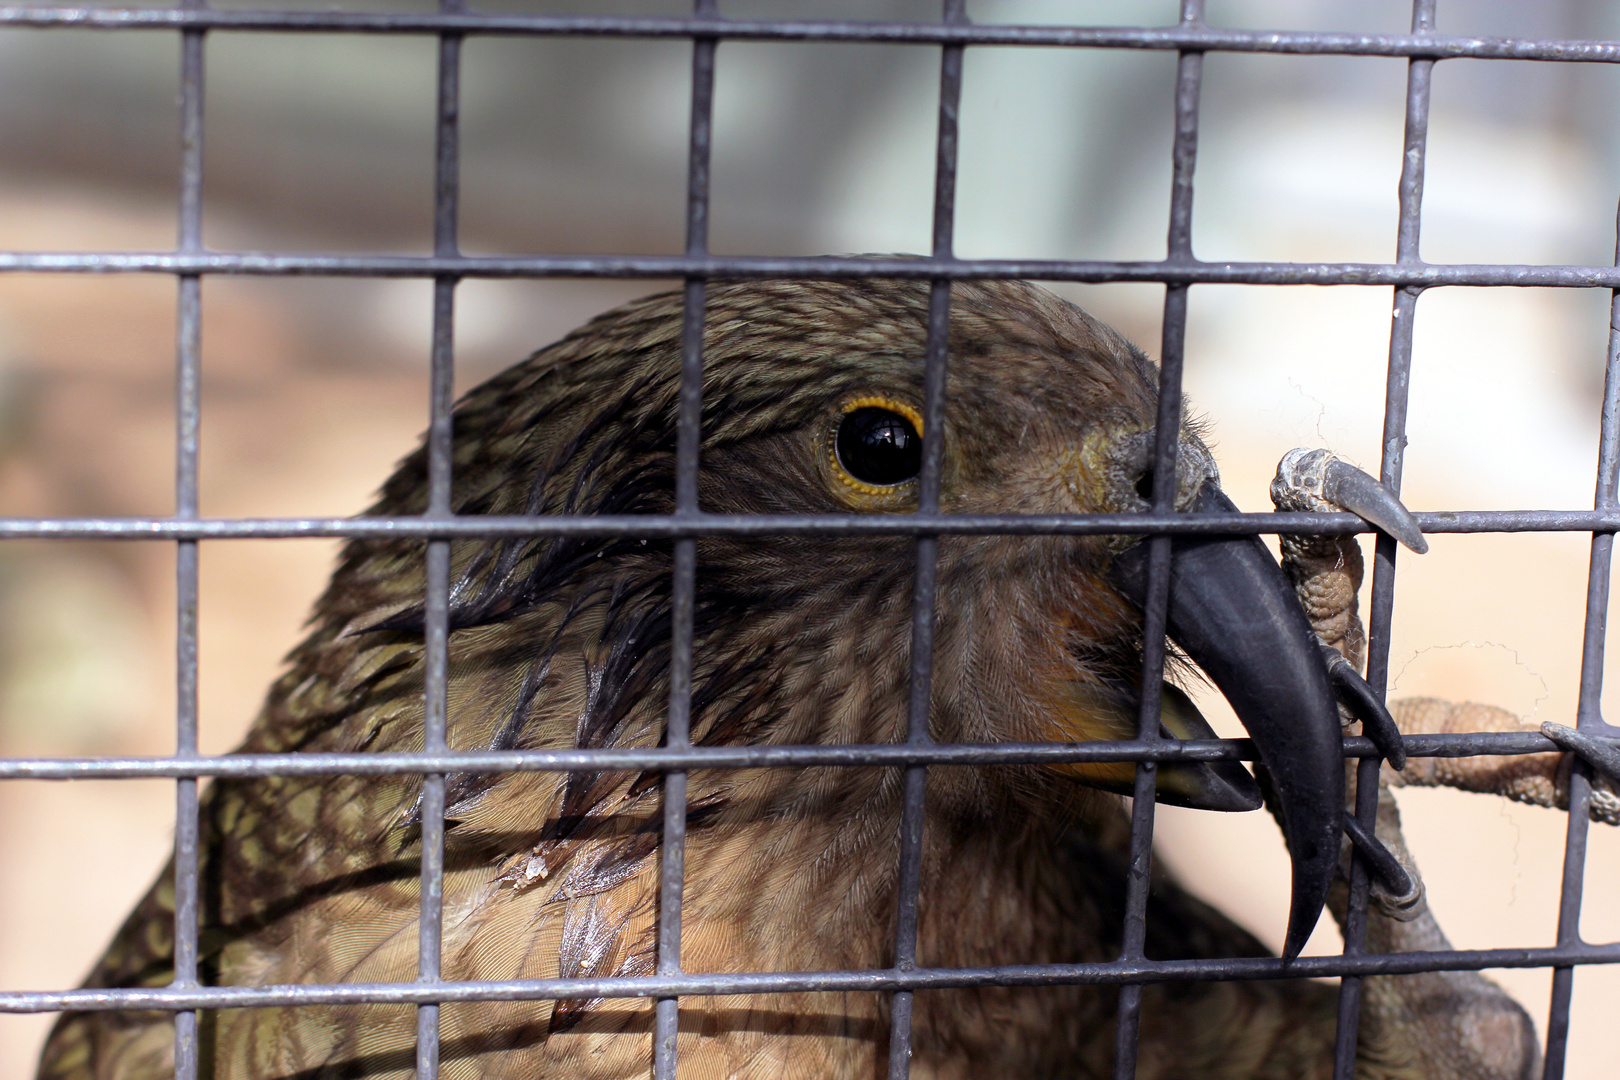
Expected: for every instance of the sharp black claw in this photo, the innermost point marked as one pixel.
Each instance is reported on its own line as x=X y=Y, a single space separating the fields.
x=1385 y=866
x=1600 y=756
x=1376 y=722
x=1349 y=487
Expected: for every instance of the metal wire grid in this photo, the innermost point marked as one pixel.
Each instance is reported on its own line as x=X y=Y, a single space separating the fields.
x=1178 y=271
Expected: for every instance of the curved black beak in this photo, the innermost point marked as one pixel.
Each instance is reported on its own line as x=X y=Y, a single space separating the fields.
x=1233 y=612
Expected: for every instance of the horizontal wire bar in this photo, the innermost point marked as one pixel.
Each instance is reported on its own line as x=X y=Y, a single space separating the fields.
x=1172 y=271
x=1034 y=975
x=1492 y=743
x=1194 y=38
x=665 y=526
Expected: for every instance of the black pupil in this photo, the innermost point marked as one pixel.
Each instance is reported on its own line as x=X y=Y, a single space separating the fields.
x=877 y=446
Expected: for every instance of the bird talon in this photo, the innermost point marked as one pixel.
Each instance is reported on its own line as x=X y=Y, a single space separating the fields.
x=1355 y=693
x=1602 y=757
x=1386 y=868
x=1316 y=480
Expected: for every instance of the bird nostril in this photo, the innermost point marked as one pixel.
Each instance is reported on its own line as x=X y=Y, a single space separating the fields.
x=1144 y=486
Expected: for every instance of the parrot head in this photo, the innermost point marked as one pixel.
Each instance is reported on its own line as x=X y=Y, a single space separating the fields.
x=812 y=404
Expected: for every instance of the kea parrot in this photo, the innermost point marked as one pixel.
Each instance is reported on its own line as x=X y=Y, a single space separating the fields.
x=812 y=404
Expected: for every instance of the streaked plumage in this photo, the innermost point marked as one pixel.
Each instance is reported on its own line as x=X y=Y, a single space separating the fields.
x=565 y=643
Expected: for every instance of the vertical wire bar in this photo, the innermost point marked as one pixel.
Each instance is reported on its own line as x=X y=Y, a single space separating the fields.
x=1588 y=713
x=436 y=599
x=1381 y=609
x=936 y=353
x=188 y=420
x=683 y=588
x=1167 y=432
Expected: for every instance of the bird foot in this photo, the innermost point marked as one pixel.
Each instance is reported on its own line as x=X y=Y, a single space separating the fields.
x=1356 y=695
x=1432 y=1024
x=1317 y=481
x=1399 y=891
x=1327 y=572
x=1602 y=758
x=1536 y=779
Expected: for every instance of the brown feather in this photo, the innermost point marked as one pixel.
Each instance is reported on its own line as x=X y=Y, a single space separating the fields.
x=564 y=642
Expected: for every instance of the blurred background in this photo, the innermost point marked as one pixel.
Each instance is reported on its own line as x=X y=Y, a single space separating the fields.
x=313 y=388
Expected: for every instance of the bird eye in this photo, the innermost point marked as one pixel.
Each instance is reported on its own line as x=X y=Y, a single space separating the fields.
x=878 y=442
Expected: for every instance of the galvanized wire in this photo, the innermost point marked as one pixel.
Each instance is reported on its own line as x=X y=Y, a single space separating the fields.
x=1167 y=440
x=683 y=589
x=1588 y=711
x=188 y=424
x=1110 y=973
x=1183 y=37
x=735 y=757
x=1186 y=271
x=436 y=579
x=664 y=526
x=1381 y=608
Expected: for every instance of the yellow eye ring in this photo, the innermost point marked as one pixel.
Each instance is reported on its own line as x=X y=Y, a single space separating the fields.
x=879 y=438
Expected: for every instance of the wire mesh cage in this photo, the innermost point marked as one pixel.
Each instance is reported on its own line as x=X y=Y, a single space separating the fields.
x=945 y=38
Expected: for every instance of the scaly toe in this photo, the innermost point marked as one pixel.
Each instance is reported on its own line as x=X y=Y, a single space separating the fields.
x=1316 y=480
x=1601 y=756
x=1356 y=695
